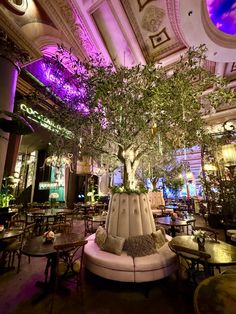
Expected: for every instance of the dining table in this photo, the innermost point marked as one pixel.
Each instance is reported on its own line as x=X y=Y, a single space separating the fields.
x=39 y=247
x=46 y=216
x=216 y=294
x=177 y=222
x=222 y=253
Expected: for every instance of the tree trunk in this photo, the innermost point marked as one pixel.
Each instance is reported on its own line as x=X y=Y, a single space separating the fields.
x=130 y=161
x=129 y=174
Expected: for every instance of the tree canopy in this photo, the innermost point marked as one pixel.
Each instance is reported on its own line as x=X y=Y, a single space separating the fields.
x=131 y=113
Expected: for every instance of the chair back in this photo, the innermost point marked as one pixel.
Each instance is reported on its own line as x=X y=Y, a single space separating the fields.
x=209 y=233
x=60 y=217
x=61 y=228
x=29 y=232
x=189 y=261
x=70 y=258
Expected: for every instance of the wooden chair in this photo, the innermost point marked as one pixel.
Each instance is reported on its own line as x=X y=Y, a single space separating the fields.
x=61 y=228
x=14 y=249
x=70 y=219
x=193 y=263
x=69 y=260
x=60 y=218
x=209 y=233
x=57 y=228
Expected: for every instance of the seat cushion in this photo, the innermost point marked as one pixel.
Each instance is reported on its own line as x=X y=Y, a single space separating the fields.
x=230 y=232
x=233 y=238
x=93 y=254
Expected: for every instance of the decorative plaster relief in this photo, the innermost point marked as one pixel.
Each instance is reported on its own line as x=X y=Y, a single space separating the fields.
x=142 y=4
x=160 y=38
x=72 y=17
x=147 y=18
x=233 y=69
x=152 y=18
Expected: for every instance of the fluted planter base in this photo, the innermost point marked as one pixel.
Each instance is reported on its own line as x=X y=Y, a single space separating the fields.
x=130 y=215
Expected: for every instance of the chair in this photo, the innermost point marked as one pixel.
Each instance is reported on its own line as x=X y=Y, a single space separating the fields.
x=69 y=260
x=70 y=219
x=60 y=218
x=209 y=233
x=15 y=247
x=88 y=225
x=18 y=224
x=61 y=228
x=192 y=263
x=57 y=228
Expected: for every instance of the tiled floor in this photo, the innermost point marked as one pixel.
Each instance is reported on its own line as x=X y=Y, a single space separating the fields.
x=19 y=295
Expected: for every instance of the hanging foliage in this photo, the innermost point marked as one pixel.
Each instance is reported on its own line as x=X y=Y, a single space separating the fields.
x=130 y=113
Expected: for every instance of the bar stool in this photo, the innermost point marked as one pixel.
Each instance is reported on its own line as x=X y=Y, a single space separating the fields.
x=229 y=234
x=233 y=239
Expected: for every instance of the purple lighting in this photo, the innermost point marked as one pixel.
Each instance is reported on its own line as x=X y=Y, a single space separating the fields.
x=223 y=14
x=58 y=79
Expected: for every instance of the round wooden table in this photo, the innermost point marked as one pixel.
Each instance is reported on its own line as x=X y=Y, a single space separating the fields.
x=222 y=253
x=216 y=295
x=36 y=247
x=10 y=233
x=167 y=221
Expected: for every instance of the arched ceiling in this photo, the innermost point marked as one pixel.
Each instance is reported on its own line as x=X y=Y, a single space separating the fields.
x=125 y=32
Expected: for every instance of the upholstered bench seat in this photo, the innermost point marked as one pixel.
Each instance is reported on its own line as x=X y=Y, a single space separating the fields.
x=126 y=268
x=231 y=232
x=108 y=265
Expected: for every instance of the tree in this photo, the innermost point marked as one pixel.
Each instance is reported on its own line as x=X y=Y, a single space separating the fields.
x=160 y=166
x=130 y=113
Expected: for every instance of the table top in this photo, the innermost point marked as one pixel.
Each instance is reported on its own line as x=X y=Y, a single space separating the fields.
x=98 y=218
x=10 y=233
x=216 y=294
x=37 y=247
x=50 y=212
x=171 y=206
x=222 y=253
x=178 y=222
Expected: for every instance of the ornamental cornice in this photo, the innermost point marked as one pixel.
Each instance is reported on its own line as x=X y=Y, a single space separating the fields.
x=174 y=18
x=13 y=43
x=87 y=42
x=66 y=16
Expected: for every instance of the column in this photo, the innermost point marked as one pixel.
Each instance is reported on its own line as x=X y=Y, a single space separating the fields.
x=9 y=72
x=12 y=153
x=10 y=57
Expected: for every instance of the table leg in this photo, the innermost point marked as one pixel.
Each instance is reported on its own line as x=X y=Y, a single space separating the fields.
x=173 y=231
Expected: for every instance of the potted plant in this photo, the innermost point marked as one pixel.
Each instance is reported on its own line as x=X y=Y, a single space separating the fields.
x=6 y=193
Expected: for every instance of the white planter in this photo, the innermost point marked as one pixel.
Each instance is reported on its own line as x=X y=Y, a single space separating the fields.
x=129 y=215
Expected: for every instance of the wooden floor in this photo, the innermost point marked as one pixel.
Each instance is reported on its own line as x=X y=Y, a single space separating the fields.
x=19 y=295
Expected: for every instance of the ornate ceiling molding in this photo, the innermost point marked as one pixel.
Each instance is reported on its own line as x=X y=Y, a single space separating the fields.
x=174 y=17
x=67 y=18
x=15 y=35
